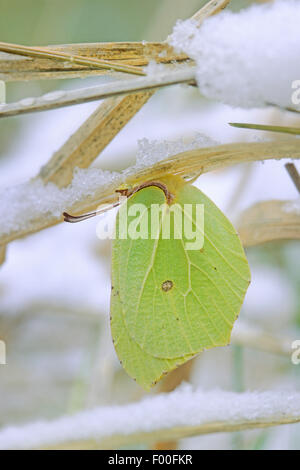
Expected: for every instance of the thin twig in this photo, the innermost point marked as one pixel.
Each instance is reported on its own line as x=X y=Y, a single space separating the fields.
x=283 y=108
x=262 y=127
x=293 y=172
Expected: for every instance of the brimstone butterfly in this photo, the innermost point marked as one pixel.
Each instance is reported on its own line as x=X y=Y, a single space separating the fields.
x=168 y=302
x=172 y=298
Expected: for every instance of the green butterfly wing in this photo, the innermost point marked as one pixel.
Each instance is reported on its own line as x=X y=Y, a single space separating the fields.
x=169 y=303
x=141 y=366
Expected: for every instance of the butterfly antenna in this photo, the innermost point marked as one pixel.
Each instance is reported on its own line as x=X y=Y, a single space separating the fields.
x=79 y=218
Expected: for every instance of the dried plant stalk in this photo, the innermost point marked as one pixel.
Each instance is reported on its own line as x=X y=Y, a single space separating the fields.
x=76 y=151
x=105 y=427
x=76 y=59
x=98 y=130
x=136 y=54
x=201 y=160
x=129 y=53
x=220 y=156
x=92 y=137
x=180 y=433
x=123 y=87
x=2 y=253
x=83 y=95
x=173 y=434
x=210 y=8
x=269 y=221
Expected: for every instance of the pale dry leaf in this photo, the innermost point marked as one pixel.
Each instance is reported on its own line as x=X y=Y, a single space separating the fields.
x=269 y=221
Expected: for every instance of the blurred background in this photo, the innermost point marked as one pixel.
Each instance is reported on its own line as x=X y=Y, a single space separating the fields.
x=55 y=284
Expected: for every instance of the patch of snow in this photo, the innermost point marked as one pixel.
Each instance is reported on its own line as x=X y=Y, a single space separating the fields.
x=150 y=152
x=154 y=68
x=183 y=407
x=28 y=201
x=248 y=58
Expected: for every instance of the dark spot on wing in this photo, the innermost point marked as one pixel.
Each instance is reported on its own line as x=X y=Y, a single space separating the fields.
x=166 y=286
